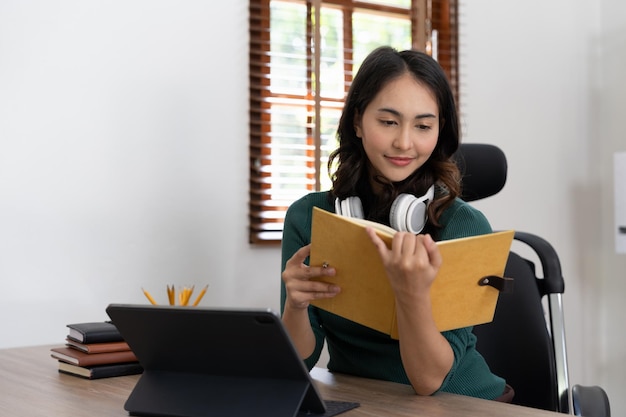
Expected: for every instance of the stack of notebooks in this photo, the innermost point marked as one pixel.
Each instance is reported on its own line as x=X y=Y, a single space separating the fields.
x=95 y=350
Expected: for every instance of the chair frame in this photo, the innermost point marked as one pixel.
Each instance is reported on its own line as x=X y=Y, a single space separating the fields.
x=556 y=317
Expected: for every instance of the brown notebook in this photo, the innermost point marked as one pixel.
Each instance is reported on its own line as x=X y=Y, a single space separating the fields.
x=458 y=298
x=97 y=347
x=80 y=358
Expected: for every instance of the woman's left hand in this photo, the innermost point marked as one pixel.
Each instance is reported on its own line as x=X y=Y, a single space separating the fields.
x=411 y=264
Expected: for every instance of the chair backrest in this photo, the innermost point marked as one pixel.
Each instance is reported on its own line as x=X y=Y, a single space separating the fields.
x=522 y=344
x=484 y=170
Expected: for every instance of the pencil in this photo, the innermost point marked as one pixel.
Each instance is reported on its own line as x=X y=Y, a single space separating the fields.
x=171 y=295
x=195 y=303
x=186 y=294
x=148 y=296
x=193 y=287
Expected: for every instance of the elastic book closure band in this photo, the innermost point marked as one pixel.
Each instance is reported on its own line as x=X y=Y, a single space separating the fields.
x=499 y=283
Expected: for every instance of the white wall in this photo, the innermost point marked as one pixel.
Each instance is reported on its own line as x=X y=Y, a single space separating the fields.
x=123 y=157
x=542 y=80
x=608 y=93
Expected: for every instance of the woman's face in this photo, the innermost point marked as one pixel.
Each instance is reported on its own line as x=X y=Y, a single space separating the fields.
x=399 y=128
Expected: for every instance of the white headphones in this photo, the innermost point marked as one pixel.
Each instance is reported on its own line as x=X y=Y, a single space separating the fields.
x=408 y=213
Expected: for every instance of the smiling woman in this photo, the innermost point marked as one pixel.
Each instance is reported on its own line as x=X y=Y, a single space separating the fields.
x=397 y=133
x=399 y=129
x=293 y=117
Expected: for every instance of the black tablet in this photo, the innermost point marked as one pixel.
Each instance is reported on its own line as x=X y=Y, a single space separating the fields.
x=216 y=362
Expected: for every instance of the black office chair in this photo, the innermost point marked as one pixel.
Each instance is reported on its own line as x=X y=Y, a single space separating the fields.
x=523 y=344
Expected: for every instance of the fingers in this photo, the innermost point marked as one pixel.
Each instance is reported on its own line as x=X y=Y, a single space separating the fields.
x=314 y=292
x=406 y=244
x=301 y=293
x=407 y=249
x=433 y=251
x=377 y=241
x=299 y=280
x=300 y=255
x=307 y=272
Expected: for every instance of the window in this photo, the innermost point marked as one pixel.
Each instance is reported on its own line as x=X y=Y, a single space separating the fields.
x=302 y=57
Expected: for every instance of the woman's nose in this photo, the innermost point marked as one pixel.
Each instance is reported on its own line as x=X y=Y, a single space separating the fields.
x=403 y=139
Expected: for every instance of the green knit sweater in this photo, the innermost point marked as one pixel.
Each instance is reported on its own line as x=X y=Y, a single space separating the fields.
x=358 y=350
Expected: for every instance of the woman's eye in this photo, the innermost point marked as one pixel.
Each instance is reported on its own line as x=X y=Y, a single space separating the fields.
x=388 y=122
x=424 y=127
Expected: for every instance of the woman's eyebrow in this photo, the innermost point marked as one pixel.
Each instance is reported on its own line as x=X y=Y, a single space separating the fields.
x=390 y=110
x=397 y=113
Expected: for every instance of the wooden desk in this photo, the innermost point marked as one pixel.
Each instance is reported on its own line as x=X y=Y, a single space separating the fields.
x=30 y=385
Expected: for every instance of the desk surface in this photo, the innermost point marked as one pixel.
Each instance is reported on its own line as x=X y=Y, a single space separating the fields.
x=31 y=385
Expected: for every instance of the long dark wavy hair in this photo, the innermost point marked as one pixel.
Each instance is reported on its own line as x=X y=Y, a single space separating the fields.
x=351 y=177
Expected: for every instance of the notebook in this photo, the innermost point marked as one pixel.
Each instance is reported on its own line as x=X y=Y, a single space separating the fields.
x=216 y=362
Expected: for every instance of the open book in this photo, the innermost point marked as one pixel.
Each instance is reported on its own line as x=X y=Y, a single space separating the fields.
x=459 y=295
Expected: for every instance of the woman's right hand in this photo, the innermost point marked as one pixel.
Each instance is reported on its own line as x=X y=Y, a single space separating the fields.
x=301 y=289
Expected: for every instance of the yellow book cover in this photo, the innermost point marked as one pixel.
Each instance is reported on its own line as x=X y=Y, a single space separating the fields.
x=458 y=298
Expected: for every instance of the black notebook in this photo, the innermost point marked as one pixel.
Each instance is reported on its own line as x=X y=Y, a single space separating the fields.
x=94 y=332
x=216 y=362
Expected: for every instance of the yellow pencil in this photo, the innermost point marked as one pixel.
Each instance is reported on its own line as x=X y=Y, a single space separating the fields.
x=193 y=287
x=171 y=295
x=185 y=296
x=148 y=296
x=195 y=303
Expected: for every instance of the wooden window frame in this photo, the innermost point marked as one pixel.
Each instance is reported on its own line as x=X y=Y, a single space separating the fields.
x=427 y=17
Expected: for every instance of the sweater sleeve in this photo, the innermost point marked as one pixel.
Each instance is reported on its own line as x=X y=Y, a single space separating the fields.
x=296 y=234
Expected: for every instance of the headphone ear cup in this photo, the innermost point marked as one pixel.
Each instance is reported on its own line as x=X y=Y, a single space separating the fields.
x=416 y=216
x=350 y=207
x=399 y=210
x=408 y=213
x=356 y=208
x=338 y=206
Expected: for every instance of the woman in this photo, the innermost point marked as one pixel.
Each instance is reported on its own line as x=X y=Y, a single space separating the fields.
x=397 y=133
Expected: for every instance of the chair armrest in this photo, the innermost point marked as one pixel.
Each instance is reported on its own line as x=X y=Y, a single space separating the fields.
x=590 y=401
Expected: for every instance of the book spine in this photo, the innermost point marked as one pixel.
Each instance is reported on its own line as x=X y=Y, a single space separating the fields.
x=101 y=371
x=99 y=332
x=102 y=337
x=107 y=358
x=104 y=347
x=115 y=370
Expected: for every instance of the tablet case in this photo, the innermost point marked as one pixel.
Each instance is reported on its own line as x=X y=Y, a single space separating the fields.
x=215 y=362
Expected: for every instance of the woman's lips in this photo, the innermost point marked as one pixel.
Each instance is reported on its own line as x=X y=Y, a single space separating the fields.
x=399 y=160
